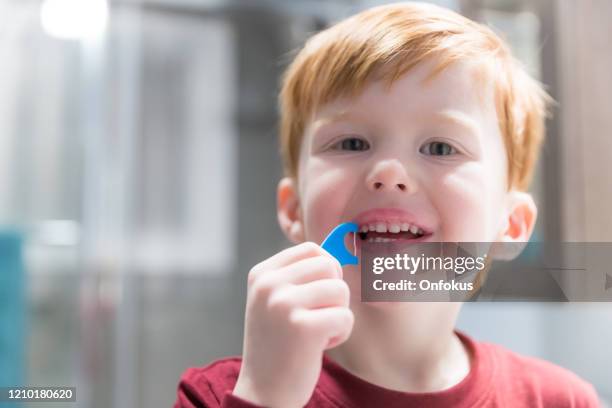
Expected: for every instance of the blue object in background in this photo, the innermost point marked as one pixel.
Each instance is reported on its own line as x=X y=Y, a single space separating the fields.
x=12 y=310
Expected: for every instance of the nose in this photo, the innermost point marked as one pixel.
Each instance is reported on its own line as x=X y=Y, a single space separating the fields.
x=390 y=176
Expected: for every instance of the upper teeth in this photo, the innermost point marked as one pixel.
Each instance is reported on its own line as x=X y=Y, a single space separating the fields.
x=392 y=227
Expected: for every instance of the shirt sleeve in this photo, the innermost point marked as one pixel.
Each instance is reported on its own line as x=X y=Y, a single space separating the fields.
x=195 y=390
x=588 y=399
x=232 y=401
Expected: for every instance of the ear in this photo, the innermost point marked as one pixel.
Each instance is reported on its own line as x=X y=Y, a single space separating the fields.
x=520 y=218
x=288 y=210
x=518 y=224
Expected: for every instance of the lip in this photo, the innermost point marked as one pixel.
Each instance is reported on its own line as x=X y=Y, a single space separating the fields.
x=393 y=215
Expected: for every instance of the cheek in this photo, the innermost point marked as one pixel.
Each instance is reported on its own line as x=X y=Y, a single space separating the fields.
x=325 y=197
x=466 y=200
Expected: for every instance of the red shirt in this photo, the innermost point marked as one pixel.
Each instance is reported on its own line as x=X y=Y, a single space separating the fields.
x=497 y=378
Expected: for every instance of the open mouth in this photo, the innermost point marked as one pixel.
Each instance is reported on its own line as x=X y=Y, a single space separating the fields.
x=385 y=231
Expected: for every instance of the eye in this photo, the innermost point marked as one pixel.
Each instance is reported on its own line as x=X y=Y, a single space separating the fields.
x=437 y=149
x=354 y=144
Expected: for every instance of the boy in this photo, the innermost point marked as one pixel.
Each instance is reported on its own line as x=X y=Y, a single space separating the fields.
x=403 y=118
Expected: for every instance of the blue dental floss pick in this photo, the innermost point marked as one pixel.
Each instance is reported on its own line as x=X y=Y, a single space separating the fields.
x=334 y=244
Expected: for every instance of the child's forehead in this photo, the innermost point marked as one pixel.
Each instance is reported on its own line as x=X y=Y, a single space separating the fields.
x=458 y=94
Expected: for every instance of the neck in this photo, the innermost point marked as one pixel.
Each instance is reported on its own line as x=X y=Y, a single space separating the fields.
x=408 y=347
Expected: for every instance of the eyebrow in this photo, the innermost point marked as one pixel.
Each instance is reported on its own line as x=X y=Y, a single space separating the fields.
x=456 y=117
x=336 y=116
x=451 y=116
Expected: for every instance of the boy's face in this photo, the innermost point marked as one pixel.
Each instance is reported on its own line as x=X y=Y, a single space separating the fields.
x=419 y=154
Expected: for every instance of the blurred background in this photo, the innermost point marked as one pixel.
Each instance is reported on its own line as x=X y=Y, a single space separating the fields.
x=138 y=169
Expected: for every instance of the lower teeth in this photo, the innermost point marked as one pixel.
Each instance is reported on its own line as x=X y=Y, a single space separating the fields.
x=379 y=239
x=364 y=237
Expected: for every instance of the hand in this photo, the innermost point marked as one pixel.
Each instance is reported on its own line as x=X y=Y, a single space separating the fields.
x=297 y=307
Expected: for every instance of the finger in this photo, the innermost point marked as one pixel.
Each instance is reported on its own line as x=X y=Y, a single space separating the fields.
x=293 y=254
x=328 y=323
x=304 y=271
x=287 y=257
x=317 y=294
